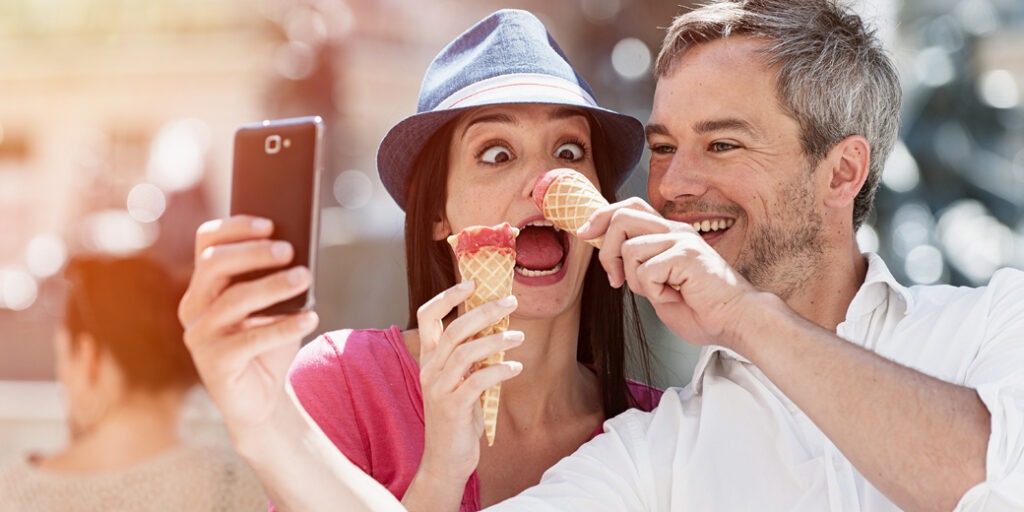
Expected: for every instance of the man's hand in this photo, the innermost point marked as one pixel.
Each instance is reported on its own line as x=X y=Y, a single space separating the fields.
x=693 y=290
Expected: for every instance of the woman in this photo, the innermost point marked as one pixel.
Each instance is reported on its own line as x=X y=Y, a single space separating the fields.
x=125 y=373
x=498 y=107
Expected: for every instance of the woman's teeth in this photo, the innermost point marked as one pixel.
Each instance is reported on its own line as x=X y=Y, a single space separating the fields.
x=544 y=223
x=537 y=273
x=708 y=226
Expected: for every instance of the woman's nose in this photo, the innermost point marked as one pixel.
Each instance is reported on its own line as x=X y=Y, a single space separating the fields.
x=537 y=168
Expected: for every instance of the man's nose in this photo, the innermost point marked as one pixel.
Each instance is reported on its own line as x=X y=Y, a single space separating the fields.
x=684 y=176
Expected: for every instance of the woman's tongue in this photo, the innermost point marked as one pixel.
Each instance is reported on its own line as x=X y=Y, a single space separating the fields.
x=538 y=248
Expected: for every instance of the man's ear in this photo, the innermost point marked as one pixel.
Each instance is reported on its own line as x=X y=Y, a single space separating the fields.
x=849 y=164
x=441 y=229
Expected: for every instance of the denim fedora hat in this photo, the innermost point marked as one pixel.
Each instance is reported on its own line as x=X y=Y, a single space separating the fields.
x=508 y=57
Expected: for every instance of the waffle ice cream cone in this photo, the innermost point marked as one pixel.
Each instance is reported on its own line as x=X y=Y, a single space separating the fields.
x=567 y=198
x=487 y=255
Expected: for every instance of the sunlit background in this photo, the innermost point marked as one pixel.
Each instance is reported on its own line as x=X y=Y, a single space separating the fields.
x=117 y=118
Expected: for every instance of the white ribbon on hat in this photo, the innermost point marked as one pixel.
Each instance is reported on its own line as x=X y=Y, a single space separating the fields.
x=518 y=88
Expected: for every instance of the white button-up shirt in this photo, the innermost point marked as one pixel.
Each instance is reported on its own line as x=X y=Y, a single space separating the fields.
x=731 y=441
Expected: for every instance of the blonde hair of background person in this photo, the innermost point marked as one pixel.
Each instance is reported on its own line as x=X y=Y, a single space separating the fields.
x=499 y=107
x=125 y=372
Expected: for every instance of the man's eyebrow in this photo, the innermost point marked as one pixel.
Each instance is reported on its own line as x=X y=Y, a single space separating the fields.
x=655 y=129
x=714 y=125
x=490 y=118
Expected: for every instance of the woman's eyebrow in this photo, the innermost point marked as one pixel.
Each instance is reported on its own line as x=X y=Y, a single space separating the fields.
x=488 y=118
x=564 y=113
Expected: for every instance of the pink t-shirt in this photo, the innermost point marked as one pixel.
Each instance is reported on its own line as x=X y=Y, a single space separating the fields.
x=362 y=387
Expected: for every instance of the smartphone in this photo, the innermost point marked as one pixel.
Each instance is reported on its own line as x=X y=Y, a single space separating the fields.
x=276 y=175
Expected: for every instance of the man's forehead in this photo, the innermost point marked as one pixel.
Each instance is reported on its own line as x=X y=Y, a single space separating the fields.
x=722 y=54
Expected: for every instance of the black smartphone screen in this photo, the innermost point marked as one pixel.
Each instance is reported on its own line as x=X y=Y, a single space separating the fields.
x=275 y=175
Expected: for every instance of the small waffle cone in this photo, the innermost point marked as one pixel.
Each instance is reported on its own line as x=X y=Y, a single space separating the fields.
x=492 y=269
x=568 y=200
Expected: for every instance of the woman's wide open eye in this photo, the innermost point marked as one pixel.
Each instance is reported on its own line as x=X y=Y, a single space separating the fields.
x=495 y=154
x=571 y=151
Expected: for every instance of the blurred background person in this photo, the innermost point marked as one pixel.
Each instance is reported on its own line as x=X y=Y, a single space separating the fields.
x=125 y=373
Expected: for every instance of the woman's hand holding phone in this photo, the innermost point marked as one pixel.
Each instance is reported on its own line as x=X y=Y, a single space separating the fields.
x=243 y=359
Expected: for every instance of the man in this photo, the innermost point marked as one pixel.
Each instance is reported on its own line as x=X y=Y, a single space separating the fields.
x=823 y=384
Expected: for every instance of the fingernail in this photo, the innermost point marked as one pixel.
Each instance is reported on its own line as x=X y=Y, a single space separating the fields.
x=281 y=251
x=465 y=285
x=515 y=336
x=508 y=301
x=515 y=366
x=584 y=227
x=297 y=275
x=262 y=225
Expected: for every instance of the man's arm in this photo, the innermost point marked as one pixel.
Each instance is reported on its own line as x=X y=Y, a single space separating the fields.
x=920 y=440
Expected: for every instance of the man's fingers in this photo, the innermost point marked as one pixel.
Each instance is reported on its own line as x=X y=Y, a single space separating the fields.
x=626 y=223
x=598 y=222
x=653 y=262
x=659 y=276
x=429 y=316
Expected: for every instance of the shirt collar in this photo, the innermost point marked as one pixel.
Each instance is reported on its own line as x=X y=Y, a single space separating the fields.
x=707 y=354
x=878 y=284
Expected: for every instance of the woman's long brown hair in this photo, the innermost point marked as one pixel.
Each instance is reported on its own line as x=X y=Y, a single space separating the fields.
x=609 y=316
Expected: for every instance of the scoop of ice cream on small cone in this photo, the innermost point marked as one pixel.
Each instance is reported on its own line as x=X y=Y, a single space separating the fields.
x=567 y=199
x=487 y=255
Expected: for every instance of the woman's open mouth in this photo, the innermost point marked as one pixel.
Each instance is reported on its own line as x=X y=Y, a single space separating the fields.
x=541 y=250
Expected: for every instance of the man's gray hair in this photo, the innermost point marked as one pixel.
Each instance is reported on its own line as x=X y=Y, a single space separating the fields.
x=834 y=78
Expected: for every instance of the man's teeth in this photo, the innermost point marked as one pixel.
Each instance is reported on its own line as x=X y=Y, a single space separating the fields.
x=537 y=273
x=708 y=226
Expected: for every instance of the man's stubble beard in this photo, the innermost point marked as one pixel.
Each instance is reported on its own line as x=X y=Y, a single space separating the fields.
x=778 y=258
x=781 y=258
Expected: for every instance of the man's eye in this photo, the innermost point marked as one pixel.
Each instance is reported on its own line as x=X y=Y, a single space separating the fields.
x=496 y=155
x=662 y=149
x=571 y=151
x=719 y=147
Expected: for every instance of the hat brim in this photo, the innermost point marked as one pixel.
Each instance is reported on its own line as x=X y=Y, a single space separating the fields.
x=404 y=142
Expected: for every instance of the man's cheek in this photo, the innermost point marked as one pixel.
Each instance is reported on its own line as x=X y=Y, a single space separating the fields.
x=657 y=174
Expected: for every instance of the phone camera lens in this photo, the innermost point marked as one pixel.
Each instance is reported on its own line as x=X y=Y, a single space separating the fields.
x=272 y=144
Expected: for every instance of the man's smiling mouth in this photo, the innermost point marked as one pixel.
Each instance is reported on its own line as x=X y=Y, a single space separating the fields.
x=710 y=226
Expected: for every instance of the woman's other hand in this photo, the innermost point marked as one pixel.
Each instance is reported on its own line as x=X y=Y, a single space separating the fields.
x=451 y=392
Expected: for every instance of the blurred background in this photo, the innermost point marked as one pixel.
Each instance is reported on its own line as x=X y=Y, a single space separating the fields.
x=117 y=119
